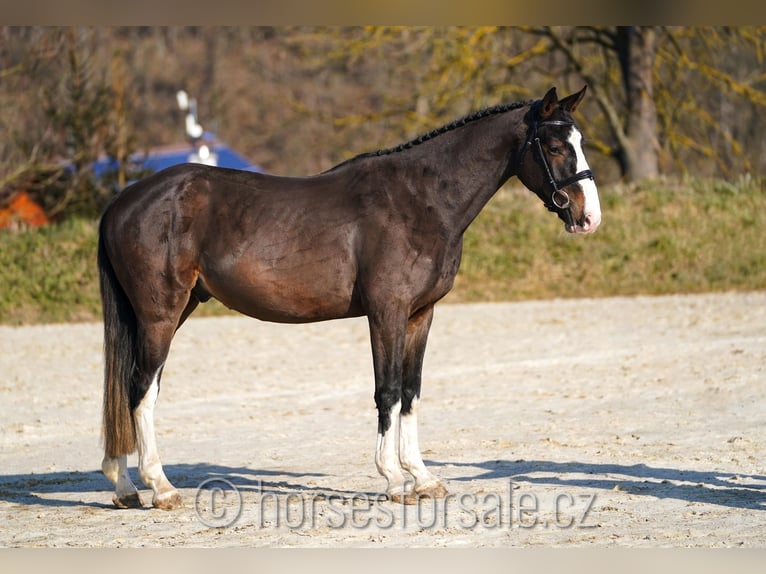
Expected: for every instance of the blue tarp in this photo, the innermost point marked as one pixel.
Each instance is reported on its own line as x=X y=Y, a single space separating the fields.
x=161 y=158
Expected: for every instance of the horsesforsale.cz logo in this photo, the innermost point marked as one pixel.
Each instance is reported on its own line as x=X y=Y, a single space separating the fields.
x=218 y=503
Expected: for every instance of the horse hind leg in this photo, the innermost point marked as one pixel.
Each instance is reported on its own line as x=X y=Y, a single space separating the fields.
x=125 y=492
x=154 y=340
x=143 y=309
x=165 y=496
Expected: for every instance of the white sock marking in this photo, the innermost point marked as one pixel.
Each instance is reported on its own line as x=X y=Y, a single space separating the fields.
x=386 y=453
x=149 y=464
x=409 y=449
x=116 y=470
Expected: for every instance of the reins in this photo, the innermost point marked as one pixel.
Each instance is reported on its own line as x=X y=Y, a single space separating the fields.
x=557 y=185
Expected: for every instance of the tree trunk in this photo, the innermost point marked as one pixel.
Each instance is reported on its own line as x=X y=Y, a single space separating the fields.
x=636 y=48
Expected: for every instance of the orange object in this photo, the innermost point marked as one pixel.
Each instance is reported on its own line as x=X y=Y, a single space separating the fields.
x=22 y=211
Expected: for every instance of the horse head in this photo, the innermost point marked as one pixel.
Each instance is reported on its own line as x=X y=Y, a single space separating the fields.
x=552 y=163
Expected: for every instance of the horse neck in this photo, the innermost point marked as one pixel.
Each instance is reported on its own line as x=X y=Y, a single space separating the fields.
x=473 y=162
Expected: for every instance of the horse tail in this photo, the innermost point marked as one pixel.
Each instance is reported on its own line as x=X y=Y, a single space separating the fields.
x=118 y=430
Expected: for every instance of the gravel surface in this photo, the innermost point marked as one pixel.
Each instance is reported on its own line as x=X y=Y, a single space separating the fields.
x=592 y=422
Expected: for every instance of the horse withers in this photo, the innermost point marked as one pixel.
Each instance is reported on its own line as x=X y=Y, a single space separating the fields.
x=379 y=235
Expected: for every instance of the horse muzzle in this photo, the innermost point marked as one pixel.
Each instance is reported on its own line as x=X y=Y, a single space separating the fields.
x=587 y=224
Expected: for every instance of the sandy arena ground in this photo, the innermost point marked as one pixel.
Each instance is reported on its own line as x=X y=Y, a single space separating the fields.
x=614 y=422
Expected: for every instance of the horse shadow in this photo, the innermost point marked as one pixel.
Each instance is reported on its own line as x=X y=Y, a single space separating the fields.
x=42 y=489
x=92 y=489
x=745 y=491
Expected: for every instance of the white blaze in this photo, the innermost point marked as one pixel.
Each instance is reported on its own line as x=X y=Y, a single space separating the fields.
x=592 y=208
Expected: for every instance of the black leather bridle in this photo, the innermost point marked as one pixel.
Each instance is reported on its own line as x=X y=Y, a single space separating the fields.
x=559 y=198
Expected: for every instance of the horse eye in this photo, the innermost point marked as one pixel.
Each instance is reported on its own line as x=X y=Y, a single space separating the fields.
x=554 y=149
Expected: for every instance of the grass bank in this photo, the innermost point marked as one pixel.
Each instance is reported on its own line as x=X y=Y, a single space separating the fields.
x=655 y=238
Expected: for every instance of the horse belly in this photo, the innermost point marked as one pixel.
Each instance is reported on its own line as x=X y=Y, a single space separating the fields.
x=290 y=290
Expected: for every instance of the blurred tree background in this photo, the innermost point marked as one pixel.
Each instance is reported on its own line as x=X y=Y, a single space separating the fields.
x=662 y=101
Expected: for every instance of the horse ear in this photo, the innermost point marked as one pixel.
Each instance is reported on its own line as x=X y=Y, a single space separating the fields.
x=549 y=103
x=570 y=103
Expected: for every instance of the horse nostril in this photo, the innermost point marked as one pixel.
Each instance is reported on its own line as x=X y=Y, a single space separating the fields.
x=590 y=222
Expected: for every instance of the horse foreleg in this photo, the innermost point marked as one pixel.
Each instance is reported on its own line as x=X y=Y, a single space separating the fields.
x=150 y=469
x=125 y=492
x=387 y=459
x=387 y=337
x=426 y=484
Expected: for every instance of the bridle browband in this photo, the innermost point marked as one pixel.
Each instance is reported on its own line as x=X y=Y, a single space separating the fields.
x=557 y=185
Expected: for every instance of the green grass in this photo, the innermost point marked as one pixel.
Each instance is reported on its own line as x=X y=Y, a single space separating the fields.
x=49 y=274
x=655 y=238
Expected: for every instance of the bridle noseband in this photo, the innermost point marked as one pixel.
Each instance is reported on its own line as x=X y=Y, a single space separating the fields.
x=559 y=198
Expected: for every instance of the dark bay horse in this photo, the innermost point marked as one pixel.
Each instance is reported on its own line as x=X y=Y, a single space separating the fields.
x=379 y=235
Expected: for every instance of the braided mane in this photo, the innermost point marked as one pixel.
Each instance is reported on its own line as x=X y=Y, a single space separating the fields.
x=499 y=109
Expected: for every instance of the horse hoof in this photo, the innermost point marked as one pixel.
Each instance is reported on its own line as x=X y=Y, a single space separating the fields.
x=437 y=490
x=132 y=500
x=171 y=501
x=408 y=498
x=412 y=497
